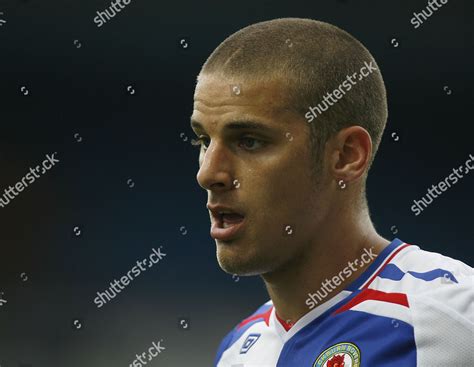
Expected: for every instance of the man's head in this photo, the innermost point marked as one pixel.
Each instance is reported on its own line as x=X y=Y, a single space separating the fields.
x=272 y=73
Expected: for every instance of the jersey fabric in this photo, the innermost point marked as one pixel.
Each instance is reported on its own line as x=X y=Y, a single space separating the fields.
x=409 y=308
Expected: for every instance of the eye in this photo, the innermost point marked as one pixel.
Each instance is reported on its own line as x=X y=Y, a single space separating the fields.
x=251 y=140
x=249 y=143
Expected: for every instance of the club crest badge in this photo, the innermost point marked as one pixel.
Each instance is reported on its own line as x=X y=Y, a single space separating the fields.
x=339 y=355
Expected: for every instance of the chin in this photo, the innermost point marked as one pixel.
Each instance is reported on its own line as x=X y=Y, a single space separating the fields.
x=248 y=266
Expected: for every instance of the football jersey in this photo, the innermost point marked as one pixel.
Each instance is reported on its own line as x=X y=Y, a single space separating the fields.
x=409 y=308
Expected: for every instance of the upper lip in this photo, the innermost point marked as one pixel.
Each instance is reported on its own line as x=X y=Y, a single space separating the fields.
x=217 y=209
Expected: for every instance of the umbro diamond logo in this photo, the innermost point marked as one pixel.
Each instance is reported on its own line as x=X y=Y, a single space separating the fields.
x=249 y=342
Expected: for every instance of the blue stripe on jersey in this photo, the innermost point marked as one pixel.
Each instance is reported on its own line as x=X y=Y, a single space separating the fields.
x=356 y=284
x=223 y=346
x=434 y=274
x=392 y=272
x=382 y=341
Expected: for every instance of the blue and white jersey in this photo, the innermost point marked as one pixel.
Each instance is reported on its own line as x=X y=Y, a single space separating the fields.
x=409 y=308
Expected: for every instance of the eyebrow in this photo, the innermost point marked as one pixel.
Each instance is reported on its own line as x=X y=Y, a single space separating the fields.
x=238 y=125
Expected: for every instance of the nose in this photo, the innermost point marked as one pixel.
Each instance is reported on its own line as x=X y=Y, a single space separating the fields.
x=215 y=168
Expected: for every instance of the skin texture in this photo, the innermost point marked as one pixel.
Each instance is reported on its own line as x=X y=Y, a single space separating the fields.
x=276 y=190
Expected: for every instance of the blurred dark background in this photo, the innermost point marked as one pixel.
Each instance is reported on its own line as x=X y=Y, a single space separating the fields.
x=126 y=176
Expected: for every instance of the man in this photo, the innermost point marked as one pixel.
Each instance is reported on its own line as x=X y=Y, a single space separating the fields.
x=289 y=114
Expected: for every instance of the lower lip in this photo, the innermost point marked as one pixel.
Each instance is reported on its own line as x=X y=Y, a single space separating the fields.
x=226 y=234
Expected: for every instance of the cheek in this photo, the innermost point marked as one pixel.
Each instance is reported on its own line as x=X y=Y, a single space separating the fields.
x=282 y=185
x=300 y=203
x=282 y=199
x=281 y=188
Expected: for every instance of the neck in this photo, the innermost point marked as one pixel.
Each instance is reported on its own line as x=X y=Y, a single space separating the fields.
x=318 y=270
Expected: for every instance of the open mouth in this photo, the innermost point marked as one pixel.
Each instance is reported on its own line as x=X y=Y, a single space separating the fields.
x=227 y=220
x=226 y=226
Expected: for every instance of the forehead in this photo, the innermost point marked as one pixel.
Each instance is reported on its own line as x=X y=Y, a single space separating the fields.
x=248 y=89
x=220 y=98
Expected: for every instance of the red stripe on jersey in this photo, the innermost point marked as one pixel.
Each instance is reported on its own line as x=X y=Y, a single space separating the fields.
x=372 y=294
x=265 y=316
x=286 y=325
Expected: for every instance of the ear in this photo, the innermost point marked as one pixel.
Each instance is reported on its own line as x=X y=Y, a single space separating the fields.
x=350 y=152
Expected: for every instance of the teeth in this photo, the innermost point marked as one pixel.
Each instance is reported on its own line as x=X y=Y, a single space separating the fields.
x=227 y=225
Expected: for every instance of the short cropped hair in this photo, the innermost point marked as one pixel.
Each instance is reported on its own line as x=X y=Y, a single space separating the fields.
x=312 y=58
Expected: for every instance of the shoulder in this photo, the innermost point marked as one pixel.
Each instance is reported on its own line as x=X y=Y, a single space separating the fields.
x=262 y=314
x=425 y=275
x=437 y=294
x=431 y=278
